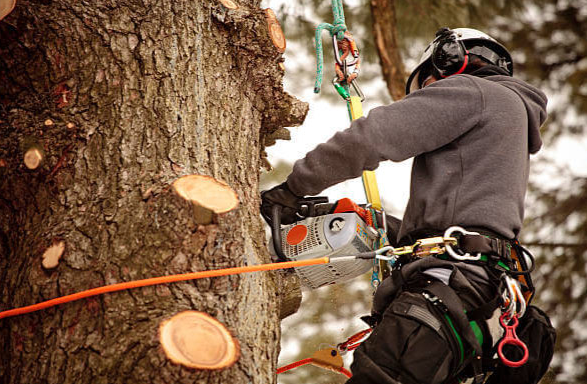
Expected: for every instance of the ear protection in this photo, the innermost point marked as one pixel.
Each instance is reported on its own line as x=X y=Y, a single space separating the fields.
x=449 y=55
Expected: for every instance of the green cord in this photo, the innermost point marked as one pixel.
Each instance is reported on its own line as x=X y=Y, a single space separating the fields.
x=337 y=29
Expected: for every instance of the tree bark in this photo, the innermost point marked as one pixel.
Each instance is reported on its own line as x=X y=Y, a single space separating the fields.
x=386 y=42
x=139 y=93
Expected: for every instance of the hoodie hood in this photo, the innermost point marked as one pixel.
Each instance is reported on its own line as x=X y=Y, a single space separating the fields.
x=535 y=102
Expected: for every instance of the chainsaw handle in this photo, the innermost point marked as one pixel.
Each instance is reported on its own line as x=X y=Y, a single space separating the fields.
x=307 y=208
x=307 y=205
x=276 y=232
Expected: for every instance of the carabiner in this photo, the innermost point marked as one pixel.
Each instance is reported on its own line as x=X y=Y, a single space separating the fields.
x=357 y=89
x=341 y=60
x=344 y=93
x=513 y=296
x=451 y=252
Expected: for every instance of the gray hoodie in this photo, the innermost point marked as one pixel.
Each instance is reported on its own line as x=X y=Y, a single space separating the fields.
x=471 y=138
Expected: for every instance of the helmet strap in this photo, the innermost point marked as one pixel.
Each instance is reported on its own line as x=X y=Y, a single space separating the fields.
x=461 y=70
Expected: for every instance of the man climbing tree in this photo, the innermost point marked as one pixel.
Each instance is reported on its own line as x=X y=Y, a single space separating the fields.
x=103 y=105
x=470 y=127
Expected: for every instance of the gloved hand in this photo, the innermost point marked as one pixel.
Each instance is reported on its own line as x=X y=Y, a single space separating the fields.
x=282 y=196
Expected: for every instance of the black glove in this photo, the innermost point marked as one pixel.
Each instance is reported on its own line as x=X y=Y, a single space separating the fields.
x=283 y=197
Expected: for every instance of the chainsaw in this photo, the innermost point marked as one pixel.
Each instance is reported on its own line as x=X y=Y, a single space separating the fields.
x=333 y=230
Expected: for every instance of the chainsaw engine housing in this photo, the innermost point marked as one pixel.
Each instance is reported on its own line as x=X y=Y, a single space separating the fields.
x=333 y=235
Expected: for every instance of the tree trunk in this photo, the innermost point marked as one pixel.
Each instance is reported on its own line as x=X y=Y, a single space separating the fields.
x=125 y=97
x=386 y=42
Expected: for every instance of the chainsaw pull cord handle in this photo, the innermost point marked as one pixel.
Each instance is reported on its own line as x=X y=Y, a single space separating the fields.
x=276 y=232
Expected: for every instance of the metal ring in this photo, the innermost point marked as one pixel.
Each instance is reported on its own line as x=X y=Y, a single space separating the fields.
x=452 y=253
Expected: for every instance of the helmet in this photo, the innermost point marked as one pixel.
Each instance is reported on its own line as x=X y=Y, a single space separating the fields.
x=448 y=54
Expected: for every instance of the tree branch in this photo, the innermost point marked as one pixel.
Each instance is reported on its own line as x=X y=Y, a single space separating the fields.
x=385 y=34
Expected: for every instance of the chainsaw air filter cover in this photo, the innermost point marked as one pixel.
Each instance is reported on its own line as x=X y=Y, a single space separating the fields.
x=334 y=235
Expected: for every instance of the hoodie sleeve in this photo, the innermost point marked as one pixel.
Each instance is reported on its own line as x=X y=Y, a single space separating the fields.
x=422 y=122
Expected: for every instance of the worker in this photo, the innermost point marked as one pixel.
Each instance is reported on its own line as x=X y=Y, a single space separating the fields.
x=470 y=127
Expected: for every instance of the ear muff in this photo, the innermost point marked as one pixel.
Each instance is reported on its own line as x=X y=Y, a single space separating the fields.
x=449 y=55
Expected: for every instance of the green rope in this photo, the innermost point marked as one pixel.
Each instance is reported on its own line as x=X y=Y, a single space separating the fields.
x=337 y=29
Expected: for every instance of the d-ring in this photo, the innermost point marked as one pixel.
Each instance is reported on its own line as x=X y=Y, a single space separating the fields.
x=466 y=256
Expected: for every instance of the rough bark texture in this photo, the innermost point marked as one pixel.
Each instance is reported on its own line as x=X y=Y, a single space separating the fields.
x=139 y=93
x=385 y=34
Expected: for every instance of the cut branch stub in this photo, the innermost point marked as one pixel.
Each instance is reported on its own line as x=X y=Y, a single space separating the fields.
x=275 y=32
x=197 y=340
x=33 y=157
x=212 y=195
x=52 y=255
x=6 y=6
x=229 y=4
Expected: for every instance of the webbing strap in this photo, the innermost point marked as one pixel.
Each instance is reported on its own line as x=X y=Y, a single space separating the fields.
x=485 y=245
x=457 y=314
x=369 y=178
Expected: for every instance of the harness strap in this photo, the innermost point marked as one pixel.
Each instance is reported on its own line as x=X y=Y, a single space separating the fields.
x=456 y=311
x=486 y=245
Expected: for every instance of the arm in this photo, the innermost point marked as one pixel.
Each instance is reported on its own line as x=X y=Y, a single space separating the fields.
x=423 y=121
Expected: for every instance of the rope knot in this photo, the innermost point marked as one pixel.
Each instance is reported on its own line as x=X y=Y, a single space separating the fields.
x=338 y=29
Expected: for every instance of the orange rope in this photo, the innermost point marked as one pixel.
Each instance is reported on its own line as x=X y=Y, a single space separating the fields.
x=160 y=280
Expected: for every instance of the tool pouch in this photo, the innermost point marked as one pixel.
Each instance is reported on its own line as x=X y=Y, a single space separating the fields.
x=537 y=332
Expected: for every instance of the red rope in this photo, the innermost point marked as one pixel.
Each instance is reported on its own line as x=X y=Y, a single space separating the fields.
x=309 y=360
x=296 y=364
x=345 y=372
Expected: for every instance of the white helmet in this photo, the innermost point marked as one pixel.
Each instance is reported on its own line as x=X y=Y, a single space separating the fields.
x=448 y=54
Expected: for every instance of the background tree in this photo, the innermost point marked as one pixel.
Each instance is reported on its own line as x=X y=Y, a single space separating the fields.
x=120 y=98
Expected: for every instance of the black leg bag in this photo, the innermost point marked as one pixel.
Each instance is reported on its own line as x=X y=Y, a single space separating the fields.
x=411 y=344
x=422 y=333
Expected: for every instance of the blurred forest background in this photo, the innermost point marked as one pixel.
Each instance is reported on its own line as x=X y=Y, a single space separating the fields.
x=547 y=39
